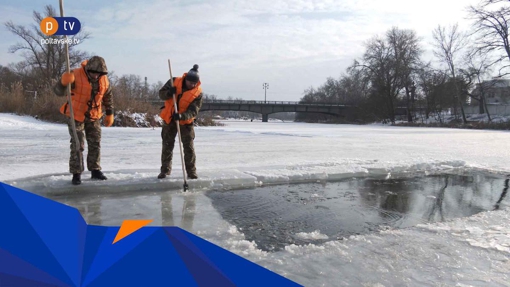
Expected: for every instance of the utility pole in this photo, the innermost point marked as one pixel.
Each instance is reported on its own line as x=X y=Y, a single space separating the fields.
x=265 y=86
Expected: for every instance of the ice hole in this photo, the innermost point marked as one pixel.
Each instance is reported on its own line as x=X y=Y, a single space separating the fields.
x=280 y=215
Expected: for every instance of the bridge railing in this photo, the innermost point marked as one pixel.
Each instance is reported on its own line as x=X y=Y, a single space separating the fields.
x=268 y=102
x=247 y=102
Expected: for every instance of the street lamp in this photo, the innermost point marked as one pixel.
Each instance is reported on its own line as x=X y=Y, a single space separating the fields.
x=265 y=86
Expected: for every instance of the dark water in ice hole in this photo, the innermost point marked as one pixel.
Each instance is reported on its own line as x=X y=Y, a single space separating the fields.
x=276 y=216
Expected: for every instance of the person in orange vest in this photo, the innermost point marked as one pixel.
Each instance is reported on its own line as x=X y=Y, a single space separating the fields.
x=91 y=93
x=188 y=93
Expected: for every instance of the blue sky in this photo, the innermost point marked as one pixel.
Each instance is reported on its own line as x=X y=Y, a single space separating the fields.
x=239 y=45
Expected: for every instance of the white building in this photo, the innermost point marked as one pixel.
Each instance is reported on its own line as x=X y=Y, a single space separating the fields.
x=497 y=91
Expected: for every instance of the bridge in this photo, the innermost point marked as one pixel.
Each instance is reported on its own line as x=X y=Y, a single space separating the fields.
x=270 y=107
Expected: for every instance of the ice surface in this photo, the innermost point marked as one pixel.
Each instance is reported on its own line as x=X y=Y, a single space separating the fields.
x=470 y=251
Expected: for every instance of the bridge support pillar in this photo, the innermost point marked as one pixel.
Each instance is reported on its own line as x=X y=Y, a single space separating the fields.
x=265 y=117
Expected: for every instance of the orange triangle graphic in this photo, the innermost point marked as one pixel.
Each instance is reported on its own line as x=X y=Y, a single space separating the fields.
x=129 y=226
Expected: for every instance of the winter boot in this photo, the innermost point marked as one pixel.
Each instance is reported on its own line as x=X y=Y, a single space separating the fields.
x=97 y=174
x=163 y=175
x=76 y=179
x=192 y=175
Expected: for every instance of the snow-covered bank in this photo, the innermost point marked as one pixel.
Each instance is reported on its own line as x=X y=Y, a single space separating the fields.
x=471 y=251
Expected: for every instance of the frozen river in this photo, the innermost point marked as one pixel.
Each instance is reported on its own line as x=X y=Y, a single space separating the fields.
x=248 y=200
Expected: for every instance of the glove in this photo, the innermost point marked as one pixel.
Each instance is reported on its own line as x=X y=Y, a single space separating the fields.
x=67 y=78
x=176 y=117
x=108 y=120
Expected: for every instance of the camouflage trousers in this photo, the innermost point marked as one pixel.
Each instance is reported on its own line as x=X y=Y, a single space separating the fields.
x=168 y=134
x=92 y=132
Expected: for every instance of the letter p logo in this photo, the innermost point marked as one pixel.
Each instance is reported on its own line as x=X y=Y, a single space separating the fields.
x=49 y=26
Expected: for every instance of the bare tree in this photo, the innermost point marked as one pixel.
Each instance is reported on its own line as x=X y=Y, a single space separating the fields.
x=478 y=66
x=435 y=85
x=426 y=83
x=390 y=63
x=353 y=87
x=130 y=86
x=491 y=31
x=407 y=52
x=488 y=2
x=378 y=64
x=7 y=76
x=448 y=45
x=46 y=61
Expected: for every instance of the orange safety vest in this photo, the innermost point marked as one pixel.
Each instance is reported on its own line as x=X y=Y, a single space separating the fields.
x=183 y=104
x=81 y=96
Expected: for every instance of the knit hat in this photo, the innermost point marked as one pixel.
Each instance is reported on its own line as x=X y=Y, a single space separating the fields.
x=193 y=75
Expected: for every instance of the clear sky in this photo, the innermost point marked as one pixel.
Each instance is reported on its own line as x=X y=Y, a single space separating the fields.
x=239 y=45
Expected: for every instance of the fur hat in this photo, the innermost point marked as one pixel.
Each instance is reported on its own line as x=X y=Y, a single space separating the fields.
x=97 y=64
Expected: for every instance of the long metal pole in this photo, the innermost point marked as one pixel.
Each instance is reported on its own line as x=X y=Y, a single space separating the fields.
x=69 y=101
x=185 y=186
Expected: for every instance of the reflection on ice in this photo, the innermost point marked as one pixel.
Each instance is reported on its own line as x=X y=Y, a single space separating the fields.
x=503 y=195
x=278 y=216
x=110 y=209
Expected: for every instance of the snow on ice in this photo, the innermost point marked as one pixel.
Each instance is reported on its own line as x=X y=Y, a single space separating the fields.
x=473 y=251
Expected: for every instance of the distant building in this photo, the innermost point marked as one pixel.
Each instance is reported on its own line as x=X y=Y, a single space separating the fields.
x=497 y=95
x=497 y=91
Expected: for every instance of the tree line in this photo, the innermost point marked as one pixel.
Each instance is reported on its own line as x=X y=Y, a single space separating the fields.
x=392 y=75
x=26 y=86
